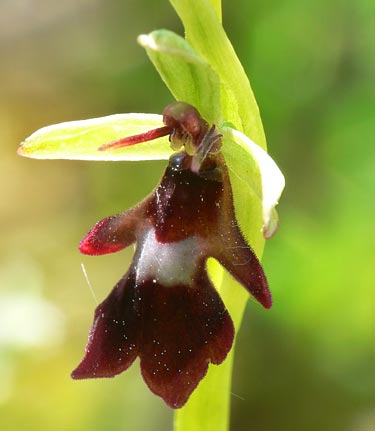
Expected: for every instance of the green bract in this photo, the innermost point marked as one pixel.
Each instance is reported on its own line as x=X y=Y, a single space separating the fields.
x=79 y=140
x=189 y=78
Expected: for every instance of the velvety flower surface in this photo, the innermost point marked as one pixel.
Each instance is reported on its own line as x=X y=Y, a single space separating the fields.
x=165 y=309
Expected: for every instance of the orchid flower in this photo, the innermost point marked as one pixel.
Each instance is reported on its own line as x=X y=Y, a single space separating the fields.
x=165 y=309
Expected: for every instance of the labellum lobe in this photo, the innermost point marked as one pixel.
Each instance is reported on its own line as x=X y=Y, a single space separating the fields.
x=165 y=309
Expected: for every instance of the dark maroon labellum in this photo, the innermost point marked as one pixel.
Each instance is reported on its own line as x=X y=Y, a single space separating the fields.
x=165 y=309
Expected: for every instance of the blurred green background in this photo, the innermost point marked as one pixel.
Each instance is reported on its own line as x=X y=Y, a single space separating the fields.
x=304 y=365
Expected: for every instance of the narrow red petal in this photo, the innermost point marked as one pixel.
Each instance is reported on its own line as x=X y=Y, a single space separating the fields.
x=136 y=139
x=113 y=341
x=241 y=262
x=232 y=250
x=112 y=233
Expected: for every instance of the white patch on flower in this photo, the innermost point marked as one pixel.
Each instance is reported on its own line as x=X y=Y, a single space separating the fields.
x=167 y=263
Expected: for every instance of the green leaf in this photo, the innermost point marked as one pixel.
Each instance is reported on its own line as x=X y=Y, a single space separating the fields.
x=79 y=140
x=187 y=75
x=255 y=178
x=206 y=35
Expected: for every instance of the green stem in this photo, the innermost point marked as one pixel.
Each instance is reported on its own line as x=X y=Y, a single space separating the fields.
x=216 y=4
